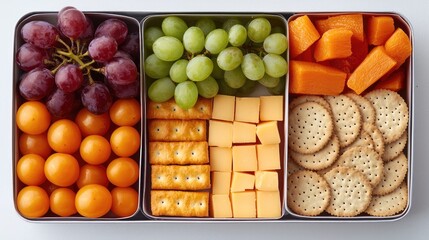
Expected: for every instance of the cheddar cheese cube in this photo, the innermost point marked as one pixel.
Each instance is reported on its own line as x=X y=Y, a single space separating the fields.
x=221 y=182
x=268 y=156
x=247 y=109
x=223 y=107
x=243 y=204
x=243 y=132
x=244 y=158
x=221 y=159
x=268 y=132
x=220 y=133
x=221 y=206
x=268 y=204
x=271 y=108
x=266 y=181
x=242 y=182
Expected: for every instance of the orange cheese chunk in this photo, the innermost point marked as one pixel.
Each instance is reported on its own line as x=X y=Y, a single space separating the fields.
x=243 y=204
x=268 y=204
x=242 y=181
x=221 y=159
x=221 y=206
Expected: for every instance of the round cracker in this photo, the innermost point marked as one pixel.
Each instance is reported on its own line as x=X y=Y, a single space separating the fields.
x=394 y=173
x=376 y=136
x=366 y=160
x=321 y=159
x=347 y=118
x=367 y=111
x=393 y=149
x=364 y=140
x=308 y=193
x=309 y=98
x=292 y=167
x=389 y=204
x=391 y=113
x=351 y=192
x=310 y=128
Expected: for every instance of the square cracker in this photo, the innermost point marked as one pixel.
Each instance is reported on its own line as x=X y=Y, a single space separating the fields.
x=180 y=153
x=177 y=130
x=173 y=177
x=170 y=110
x=179 y=203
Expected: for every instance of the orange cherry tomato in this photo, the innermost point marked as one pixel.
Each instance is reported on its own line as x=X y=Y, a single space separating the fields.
x=93 y=201
x=62 y=202
x=37 y=144
x=32 y=202
x=64 y=136
x=92 y=124
x=33 y=117
x=125 y=112
x=49 y=187
x=124 y=201
x=62 y=169
x=95 y=149
x=30 y=169
x=123 y=172
x=125 y=141
x=92 y=174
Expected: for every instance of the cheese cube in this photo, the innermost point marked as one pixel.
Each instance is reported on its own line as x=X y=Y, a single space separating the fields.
x=268 y=132
x=268 y=204
x=221 y=159
x=271 y=108
x=221 y=206
x=268 y=157
x=243 y=204
x=242 y=182
x=220 y=133
x=247 y=109
x=244 y=158
x=221 y=182
x=243 y=132
x=223 y=107
x=266 y=181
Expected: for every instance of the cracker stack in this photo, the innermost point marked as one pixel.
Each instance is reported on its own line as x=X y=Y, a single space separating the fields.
x=346 y=154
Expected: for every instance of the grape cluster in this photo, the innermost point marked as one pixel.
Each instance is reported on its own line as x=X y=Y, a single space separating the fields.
x=76 y=63
x=204 y=60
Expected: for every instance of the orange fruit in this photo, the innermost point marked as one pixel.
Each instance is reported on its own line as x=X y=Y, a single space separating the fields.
x=30 y=169
x=92 y=174
x=125 y=141
x=33 y=117
x=62 y=202
x=125 y=112
x=123 y=172
x=64 y=136
x=37 y=144
x=95 y=149
x=62 y=169
x=124 y=201
x=93 y=201
x=32 y=202
x=92 y=124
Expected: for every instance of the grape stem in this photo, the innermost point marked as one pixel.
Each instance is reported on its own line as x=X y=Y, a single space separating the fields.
x=71 y=55
x=65 y=44
x=53 y=71
x=86 y=65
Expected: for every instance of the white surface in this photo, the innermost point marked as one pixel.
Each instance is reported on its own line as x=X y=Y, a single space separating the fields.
x=414 y=226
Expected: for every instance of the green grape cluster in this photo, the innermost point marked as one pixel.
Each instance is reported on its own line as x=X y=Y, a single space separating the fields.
x=204 y=59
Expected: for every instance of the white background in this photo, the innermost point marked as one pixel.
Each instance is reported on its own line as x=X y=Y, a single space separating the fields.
x=414 y=226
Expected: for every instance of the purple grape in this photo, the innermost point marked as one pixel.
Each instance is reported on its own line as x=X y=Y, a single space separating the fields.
x=36 y=84
x=69 y=78
x=121 y=71
x=125 y=91
x=60 y=104
x=114 y=28
x=131 y=45
x=30 y=57
x=122 y=54
x=89 y=30
x=96 y=98
x=102 y=48
x=64 y=9
x=40 y=33
x=72 y=23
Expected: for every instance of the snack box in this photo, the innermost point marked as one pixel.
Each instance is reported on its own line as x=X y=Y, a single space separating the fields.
x=139 y=21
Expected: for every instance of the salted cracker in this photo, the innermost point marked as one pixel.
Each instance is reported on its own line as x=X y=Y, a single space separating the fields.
x=376 y=136
x=308 y=193
x=170 y=110
x=367 y=111
x=393 y=149
x=174 y=177
x=394 y=173
x=177 y=130
x=309 y=98
x=389 y=204
x=179 y=153
x=310 y=128
x=292 y=167
x=179 y=203
x=363 y=140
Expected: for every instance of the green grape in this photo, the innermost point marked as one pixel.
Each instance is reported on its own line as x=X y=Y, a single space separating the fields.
x=235 y=78
x=258 y=29
x=178 y=71
x=225 y=89
x=253 y=66
x=155 y=67
x=193 y=40
x=268 y=81
x=229 y=23
x=278 y=29
x=230 y=58
x=216 y=41
x=275 y=65
x=206 y=25
x=208 y=88
x=237 y=35
x=217 y=72
x=150 y=35
x=168 y=48
x=279 y=89
x=174 y=26
x=275 y=43
x=186 y=94
x=247 y=88
x=161 y=90
x=199 y=68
